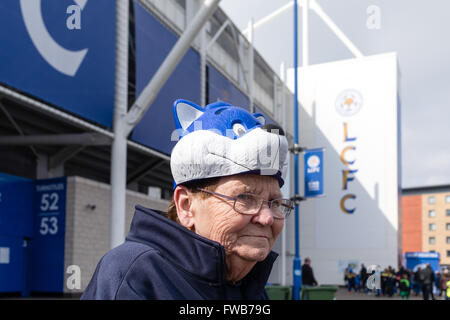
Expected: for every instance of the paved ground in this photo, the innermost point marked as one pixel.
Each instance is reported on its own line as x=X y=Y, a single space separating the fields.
x=343 y=294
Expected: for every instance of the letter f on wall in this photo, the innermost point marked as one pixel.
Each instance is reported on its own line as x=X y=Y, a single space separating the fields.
x=65 y=61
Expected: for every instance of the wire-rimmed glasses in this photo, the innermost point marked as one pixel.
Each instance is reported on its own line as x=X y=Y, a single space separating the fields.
x=250 y=204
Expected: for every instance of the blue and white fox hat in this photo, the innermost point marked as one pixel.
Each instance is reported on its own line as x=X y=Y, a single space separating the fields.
x=222 y=140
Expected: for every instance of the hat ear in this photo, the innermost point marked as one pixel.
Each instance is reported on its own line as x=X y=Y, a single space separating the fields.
x=260 y=118
x=185 y=113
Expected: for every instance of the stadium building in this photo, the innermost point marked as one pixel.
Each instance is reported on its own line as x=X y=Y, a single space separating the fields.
x=57 y=85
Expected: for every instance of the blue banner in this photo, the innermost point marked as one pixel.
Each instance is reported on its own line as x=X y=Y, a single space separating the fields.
x=32 y=234
x=153 y=43
x=220 y=88
x=313 y=172
x=16 y=209
x=16 y=206
x=61 y=51
x=49 y=235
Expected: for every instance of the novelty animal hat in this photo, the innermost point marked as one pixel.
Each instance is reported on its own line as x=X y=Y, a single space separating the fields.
x=222 y=140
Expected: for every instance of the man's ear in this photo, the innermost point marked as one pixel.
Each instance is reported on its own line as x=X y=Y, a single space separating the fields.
x=183 y=203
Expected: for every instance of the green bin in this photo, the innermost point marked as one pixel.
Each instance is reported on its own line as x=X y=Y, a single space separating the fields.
x=279 y=292
x=324 y=292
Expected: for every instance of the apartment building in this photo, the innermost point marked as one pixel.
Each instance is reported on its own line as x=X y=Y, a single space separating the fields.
x=426 y=220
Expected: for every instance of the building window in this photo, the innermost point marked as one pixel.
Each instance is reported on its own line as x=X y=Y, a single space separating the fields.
x=447 y=226
x=448 y=240
x=431 y=240
x=447 y=212
x=431 y=200
x=432 y=226
x=432 y=213
x=448 y=253
x=447 y=199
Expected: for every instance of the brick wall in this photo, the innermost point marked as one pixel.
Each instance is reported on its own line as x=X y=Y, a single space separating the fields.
x=87 y=229
x=412 y=223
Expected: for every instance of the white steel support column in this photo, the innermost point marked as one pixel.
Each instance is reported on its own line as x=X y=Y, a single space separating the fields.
x=203 y=53
x=286 y=190
x=192 y=7
x=333 y=27
x=270 y=17
x=119 y=145
x=251 y=67
x=124 y=121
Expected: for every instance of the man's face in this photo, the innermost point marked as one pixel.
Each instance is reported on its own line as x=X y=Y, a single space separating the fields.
x=249 y=237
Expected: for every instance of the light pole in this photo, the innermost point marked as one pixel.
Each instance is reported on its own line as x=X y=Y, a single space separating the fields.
x=297 y=272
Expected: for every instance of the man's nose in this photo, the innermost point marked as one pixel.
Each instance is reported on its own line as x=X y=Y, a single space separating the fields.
x=264 y=216
x=273 y=128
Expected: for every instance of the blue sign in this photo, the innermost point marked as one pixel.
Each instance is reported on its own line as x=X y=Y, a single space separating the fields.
x=49 y=235
x=220 y=88
x=153 y=43
x=16 y=206
x=16 y=216
x=61 y=51
x=415 y=260
x=32 y=234
x=269 y=119
x=313 y=172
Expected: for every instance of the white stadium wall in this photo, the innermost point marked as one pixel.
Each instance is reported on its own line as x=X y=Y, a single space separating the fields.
x=350 y=108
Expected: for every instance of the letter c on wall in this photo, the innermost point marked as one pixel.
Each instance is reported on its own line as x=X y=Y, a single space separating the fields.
x=345 y=198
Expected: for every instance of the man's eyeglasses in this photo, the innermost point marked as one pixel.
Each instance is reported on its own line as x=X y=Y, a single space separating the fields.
x=250 y=204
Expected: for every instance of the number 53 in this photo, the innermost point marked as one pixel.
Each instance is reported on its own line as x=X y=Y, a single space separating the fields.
x=49 y=225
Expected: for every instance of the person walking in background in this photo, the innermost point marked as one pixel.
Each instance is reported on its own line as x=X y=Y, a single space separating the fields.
x=389 y=282
x=404 y=287
x=410 y=274
x=417 y=284
x=363 y=276
x=350 y=278
x=308 y=274
x=399 y=276
x=437 y=284
x=445 y=284
x=427 y=275
x=384 y=276
x=357 y=282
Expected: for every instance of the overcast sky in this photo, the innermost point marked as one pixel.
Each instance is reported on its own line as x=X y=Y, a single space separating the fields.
x=417 y=30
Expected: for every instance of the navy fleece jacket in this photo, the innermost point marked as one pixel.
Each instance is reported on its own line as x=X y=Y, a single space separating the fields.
x=161 y=259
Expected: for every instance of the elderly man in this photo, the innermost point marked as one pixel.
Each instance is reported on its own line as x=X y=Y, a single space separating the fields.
x=227 y=210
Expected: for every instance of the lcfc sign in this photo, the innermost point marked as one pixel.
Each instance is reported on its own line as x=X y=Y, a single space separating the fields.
x=313 y=172
x=348 y=103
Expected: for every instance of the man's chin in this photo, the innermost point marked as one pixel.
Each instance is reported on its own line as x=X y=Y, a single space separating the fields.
x=254 y=254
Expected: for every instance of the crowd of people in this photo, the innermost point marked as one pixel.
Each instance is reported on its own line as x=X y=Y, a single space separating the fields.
x=404 y=282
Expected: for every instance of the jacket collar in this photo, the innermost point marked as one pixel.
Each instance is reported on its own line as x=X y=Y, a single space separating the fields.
x=195 y=254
